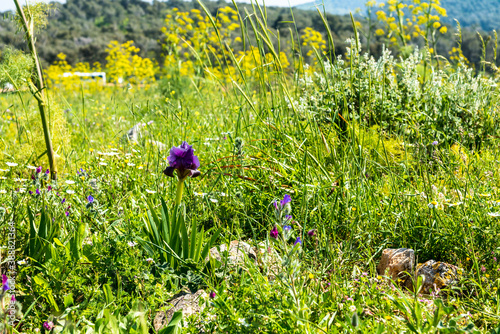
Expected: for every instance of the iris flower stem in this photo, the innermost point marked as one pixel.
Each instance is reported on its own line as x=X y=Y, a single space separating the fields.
x=180 y=189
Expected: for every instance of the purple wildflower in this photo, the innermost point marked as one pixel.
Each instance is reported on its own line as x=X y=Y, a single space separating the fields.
x=49 y=188
x=288 y=217
x=287 y=199
x=483 y=269
x=39 y=169
x=297 y=241
x=274 y=233
x=47 y=172
x=311 y=233
x=183 y=161
x=37 y=191
x=90 y=199
x=30 y=192
x=12 y=299
x=287 y=228
x=495 y=259
x=434 y=143
x=67 y=214
x=5 y=283
x=63 y=200
x=212 y=294
x=48 y=325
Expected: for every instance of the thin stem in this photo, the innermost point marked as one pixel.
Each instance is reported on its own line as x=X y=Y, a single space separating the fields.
x=180 y=189
x=38 y=90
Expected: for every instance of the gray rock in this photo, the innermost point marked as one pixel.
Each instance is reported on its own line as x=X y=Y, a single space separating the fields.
x=398 y=265
x=437 y=275
x=189 y=303
x=236 y=252
x=135 y=133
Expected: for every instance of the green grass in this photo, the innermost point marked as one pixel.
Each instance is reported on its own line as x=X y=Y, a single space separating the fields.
x=364 y=184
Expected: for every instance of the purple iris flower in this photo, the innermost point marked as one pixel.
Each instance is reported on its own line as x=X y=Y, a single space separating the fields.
x=5 y=283
x=297 y=241
x=39 y=169
x=274 y=233
x=183 y=161
x=90 y=199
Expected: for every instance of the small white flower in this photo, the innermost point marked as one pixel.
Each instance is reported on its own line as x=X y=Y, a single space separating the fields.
x=150 y=191
x=132 y=243
x=494 y=214
x=352 y=308
x=3 y=178
x=22 y=190
x=11 y=164
x=200 y=194
x=150 y=260
x=433 y=205
x=140 y=167
x=69 y=191
x=128 y=154
x=213 y=200
x=455 y=204
x=20 y=180
x=130 y=164
x=69 y=182
x=22 y=262
x=223 y=194
x=4 y=170
x=103 y=164
x=30 y=167
x=3 y=191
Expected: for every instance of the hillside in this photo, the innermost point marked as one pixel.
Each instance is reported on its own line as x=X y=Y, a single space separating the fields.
x=472 y=13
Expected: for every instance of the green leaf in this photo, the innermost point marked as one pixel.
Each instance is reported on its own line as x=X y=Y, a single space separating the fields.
x=174 y=325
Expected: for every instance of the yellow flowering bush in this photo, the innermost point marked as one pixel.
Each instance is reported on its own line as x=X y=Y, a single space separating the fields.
x=196 y=46
x=61 y=74
x=405 y=20
x=123 y=64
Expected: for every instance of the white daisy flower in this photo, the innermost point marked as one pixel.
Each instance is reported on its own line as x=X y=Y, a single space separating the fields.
x=69 y=182
x=131 y=164
x=3 y=191
x=494 y=214
x=69 y=191
x=103 y=164
x=150 y=191
x=30 y=167
x=11 y=164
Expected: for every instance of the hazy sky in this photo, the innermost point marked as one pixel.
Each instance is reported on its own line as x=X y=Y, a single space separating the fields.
x=9 y=4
